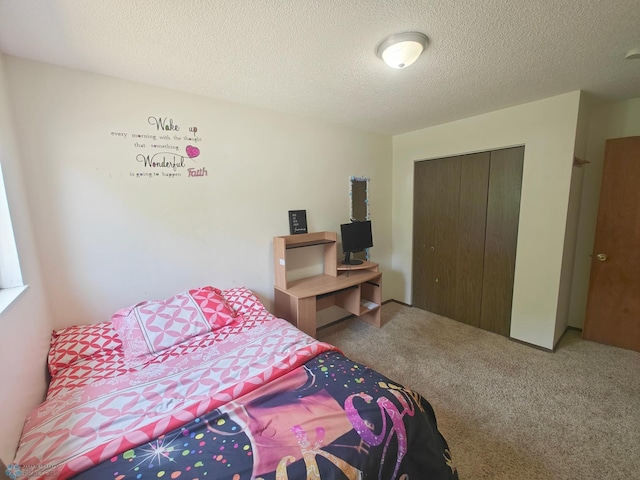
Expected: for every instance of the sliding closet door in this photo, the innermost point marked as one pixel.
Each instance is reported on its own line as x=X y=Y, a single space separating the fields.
x=436 y=196
x=503 y=214
x=446 y=235
x=465 y=225
x=425 y=179
x=474 y=184
x=450 y=196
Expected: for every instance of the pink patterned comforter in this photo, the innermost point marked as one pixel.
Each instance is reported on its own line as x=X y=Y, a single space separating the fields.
x=100 y=408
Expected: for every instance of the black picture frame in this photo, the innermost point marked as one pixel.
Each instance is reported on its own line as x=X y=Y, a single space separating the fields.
x=297 y=222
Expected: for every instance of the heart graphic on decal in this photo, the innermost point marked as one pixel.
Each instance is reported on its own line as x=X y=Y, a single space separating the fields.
x=192 y=152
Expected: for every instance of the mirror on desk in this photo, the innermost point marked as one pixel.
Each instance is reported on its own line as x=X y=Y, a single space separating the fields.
x=359 y=196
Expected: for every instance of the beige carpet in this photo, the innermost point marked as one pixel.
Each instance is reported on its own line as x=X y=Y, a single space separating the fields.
x=510 y=411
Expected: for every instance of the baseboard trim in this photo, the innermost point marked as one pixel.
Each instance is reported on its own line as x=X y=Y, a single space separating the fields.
x=398 y=302
x=522 y=342
x=532 y=345
x=544 y=349
x=567 y=329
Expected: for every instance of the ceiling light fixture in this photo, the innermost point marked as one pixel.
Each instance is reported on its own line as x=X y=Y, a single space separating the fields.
x=402 y=49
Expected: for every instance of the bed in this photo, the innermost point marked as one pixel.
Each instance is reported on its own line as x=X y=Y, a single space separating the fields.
x=208 y=384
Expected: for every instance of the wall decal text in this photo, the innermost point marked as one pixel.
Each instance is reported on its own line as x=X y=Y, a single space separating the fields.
x=162 y=151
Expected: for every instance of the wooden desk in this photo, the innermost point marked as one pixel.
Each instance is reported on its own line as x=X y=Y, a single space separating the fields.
x=355 y=288
x=357 y=291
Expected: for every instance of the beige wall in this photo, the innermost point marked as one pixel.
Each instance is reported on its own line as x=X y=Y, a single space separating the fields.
x=567 y=280
x=108 y=240
x=25 y=324
x=547 y=129
x=606 y=120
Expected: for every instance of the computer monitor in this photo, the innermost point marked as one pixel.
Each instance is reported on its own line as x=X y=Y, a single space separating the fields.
x=356 y=237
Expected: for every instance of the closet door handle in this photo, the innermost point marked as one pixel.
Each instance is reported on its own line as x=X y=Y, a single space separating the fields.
x=602 y=257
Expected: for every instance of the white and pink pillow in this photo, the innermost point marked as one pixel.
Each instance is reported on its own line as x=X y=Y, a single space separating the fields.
x=82 y=342
x=243 y=300
x=161 y=323
x=153 y=326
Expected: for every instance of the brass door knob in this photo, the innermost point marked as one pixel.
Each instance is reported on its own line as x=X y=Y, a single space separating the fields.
x=601 y=256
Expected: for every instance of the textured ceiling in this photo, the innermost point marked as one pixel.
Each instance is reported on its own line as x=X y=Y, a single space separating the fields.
x=317 y=57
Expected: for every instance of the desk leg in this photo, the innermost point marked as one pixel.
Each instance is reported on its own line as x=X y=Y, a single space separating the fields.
x=306 y=315
x=283 y=307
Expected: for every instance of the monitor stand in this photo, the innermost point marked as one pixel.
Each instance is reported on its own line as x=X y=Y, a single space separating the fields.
x=350 y=261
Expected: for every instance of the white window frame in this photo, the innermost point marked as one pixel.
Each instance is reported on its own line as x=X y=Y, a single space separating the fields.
x=11 y=284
